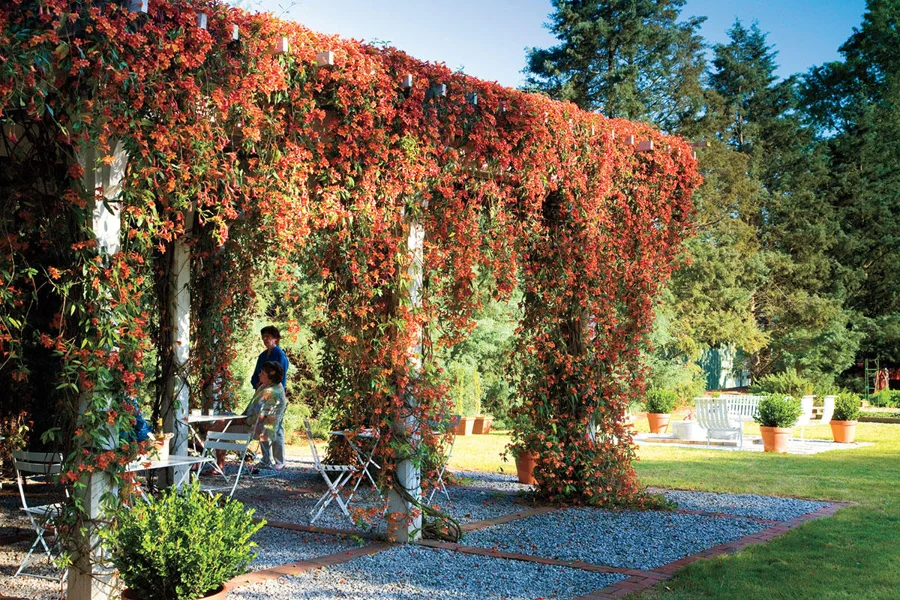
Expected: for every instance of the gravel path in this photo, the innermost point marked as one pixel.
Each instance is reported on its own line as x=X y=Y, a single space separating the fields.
x=416 y=573
x=744 y=505
x=278 y=547
x=632 y=539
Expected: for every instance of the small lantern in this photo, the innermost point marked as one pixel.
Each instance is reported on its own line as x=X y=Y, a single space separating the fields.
x=472 y=98
x=630 y=140
x=407 y=82
x=325 y=59
x=201 y=20
x=438 y=91
x=235 y=33
x=283 y=46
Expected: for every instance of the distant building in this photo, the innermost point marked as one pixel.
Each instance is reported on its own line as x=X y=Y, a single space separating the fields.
x=725 y=368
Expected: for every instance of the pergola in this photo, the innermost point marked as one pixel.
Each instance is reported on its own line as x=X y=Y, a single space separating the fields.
x=183 y=144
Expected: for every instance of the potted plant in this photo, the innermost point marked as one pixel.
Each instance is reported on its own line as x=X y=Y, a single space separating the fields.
x=776 y=417
x=184 y=545
x=659 y=405
x=525 y=460
x=845 y=418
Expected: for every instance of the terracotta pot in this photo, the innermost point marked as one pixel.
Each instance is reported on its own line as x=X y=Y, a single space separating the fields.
x=776 y=439
x=482 y=425
x=219 y=594
x=525 y=467
x=659 y=422
x=465 y=426
x=844 y=432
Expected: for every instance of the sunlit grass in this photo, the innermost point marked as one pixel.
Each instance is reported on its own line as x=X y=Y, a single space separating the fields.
x=855 y=554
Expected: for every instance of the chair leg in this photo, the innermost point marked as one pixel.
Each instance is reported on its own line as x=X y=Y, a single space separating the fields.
x=333 y=493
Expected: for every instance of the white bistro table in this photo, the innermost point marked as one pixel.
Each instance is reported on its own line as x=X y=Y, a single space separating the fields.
x=365 y=459
x=149 y=464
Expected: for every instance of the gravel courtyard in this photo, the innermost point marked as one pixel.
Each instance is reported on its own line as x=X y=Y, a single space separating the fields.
x=511 y=549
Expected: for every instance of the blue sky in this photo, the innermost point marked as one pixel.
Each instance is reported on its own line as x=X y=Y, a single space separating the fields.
x=487 y=38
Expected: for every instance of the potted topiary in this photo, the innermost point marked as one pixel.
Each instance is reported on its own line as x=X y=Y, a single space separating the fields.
x=659 y=405
x=776 y=417
x=182 y=546
x=845 y=418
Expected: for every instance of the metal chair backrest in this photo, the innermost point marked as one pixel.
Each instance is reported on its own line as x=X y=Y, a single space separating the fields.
x=827 y=410
x=312 y=445
x=35 y=464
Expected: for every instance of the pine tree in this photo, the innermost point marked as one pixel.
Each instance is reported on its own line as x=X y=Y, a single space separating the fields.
x=855 y=106
x=625 y=58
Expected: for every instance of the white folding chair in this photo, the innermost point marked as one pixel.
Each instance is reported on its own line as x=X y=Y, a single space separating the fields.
x=46 y=466
x=806 y=413
x=226 y=441
x=449 y=425
x=341 y=473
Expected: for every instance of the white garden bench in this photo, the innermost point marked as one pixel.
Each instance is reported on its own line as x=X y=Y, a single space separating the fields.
x=724 y=417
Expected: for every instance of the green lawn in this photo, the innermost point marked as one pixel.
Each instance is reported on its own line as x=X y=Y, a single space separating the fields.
x=855 y=554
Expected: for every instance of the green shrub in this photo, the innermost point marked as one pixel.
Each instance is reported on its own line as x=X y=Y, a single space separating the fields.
x=846 y=407
x=886 y=399
x=789 y=383
x=778 y=410
x=660 y=401
x=183 y=545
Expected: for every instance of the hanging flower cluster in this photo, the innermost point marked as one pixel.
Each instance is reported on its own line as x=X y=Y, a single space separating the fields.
x=261 y=142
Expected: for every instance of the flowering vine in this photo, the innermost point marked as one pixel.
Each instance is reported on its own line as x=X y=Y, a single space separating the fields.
x=320 y=165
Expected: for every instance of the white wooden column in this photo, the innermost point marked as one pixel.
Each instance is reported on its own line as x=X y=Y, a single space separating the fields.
x=87 y=580
x=177 y=398
x=406 y=525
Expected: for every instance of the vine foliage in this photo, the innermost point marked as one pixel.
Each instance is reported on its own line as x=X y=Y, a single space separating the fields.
x=258 y=158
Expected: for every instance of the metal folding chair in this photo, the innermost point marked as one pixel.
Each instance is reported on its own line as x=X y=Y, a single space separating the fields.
x=449 y=425
x=46 y=466
x=341 y=475
x=227 y=441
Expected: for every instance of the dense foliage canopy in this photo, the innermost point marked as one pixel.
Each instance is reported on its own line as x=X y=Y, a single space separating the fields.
x=266 y=158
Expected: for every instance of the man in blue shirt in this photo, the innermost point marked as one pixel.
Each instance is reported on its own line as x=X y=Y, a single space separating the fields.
x=273 y=352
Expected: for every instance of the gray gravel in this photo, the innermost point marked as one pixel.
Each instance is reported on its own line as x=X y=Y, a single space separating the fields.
x=744 y=505
x=632 y=539
x=493 y=481
x=278 y=547
x=417 y=573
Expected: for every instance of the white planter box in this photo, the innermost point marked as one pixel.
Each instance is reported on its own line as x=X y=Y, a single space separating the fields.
x=688 y=430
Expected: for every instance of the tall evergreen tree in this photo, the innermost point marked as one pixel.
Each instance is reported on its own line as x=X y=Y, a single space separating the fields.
x=625 y=58
x=798 y=306
x=855 y=106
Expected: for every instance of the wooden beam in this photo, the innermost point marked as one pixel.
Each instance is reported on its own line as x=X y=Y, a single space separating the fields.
x=645 y=146
x=325 y=59
x=699 y=144
x=630 y=140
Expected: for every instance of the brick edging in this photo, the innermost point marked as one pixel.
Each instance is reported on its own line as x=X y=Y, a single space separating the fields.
x=522 y=514
x=323 y=530
x=643 y=580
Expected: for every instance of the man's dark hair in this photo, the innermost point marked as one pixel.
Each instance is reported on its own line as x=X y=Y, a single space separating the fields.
x=274 y=371
x=270 y=330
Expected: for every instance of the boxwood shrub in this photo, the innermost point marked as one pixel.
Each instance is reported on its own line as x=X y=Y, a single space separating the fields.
x=660 y=401
x=778 y=410
x=183 y=545
x=846 y=407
